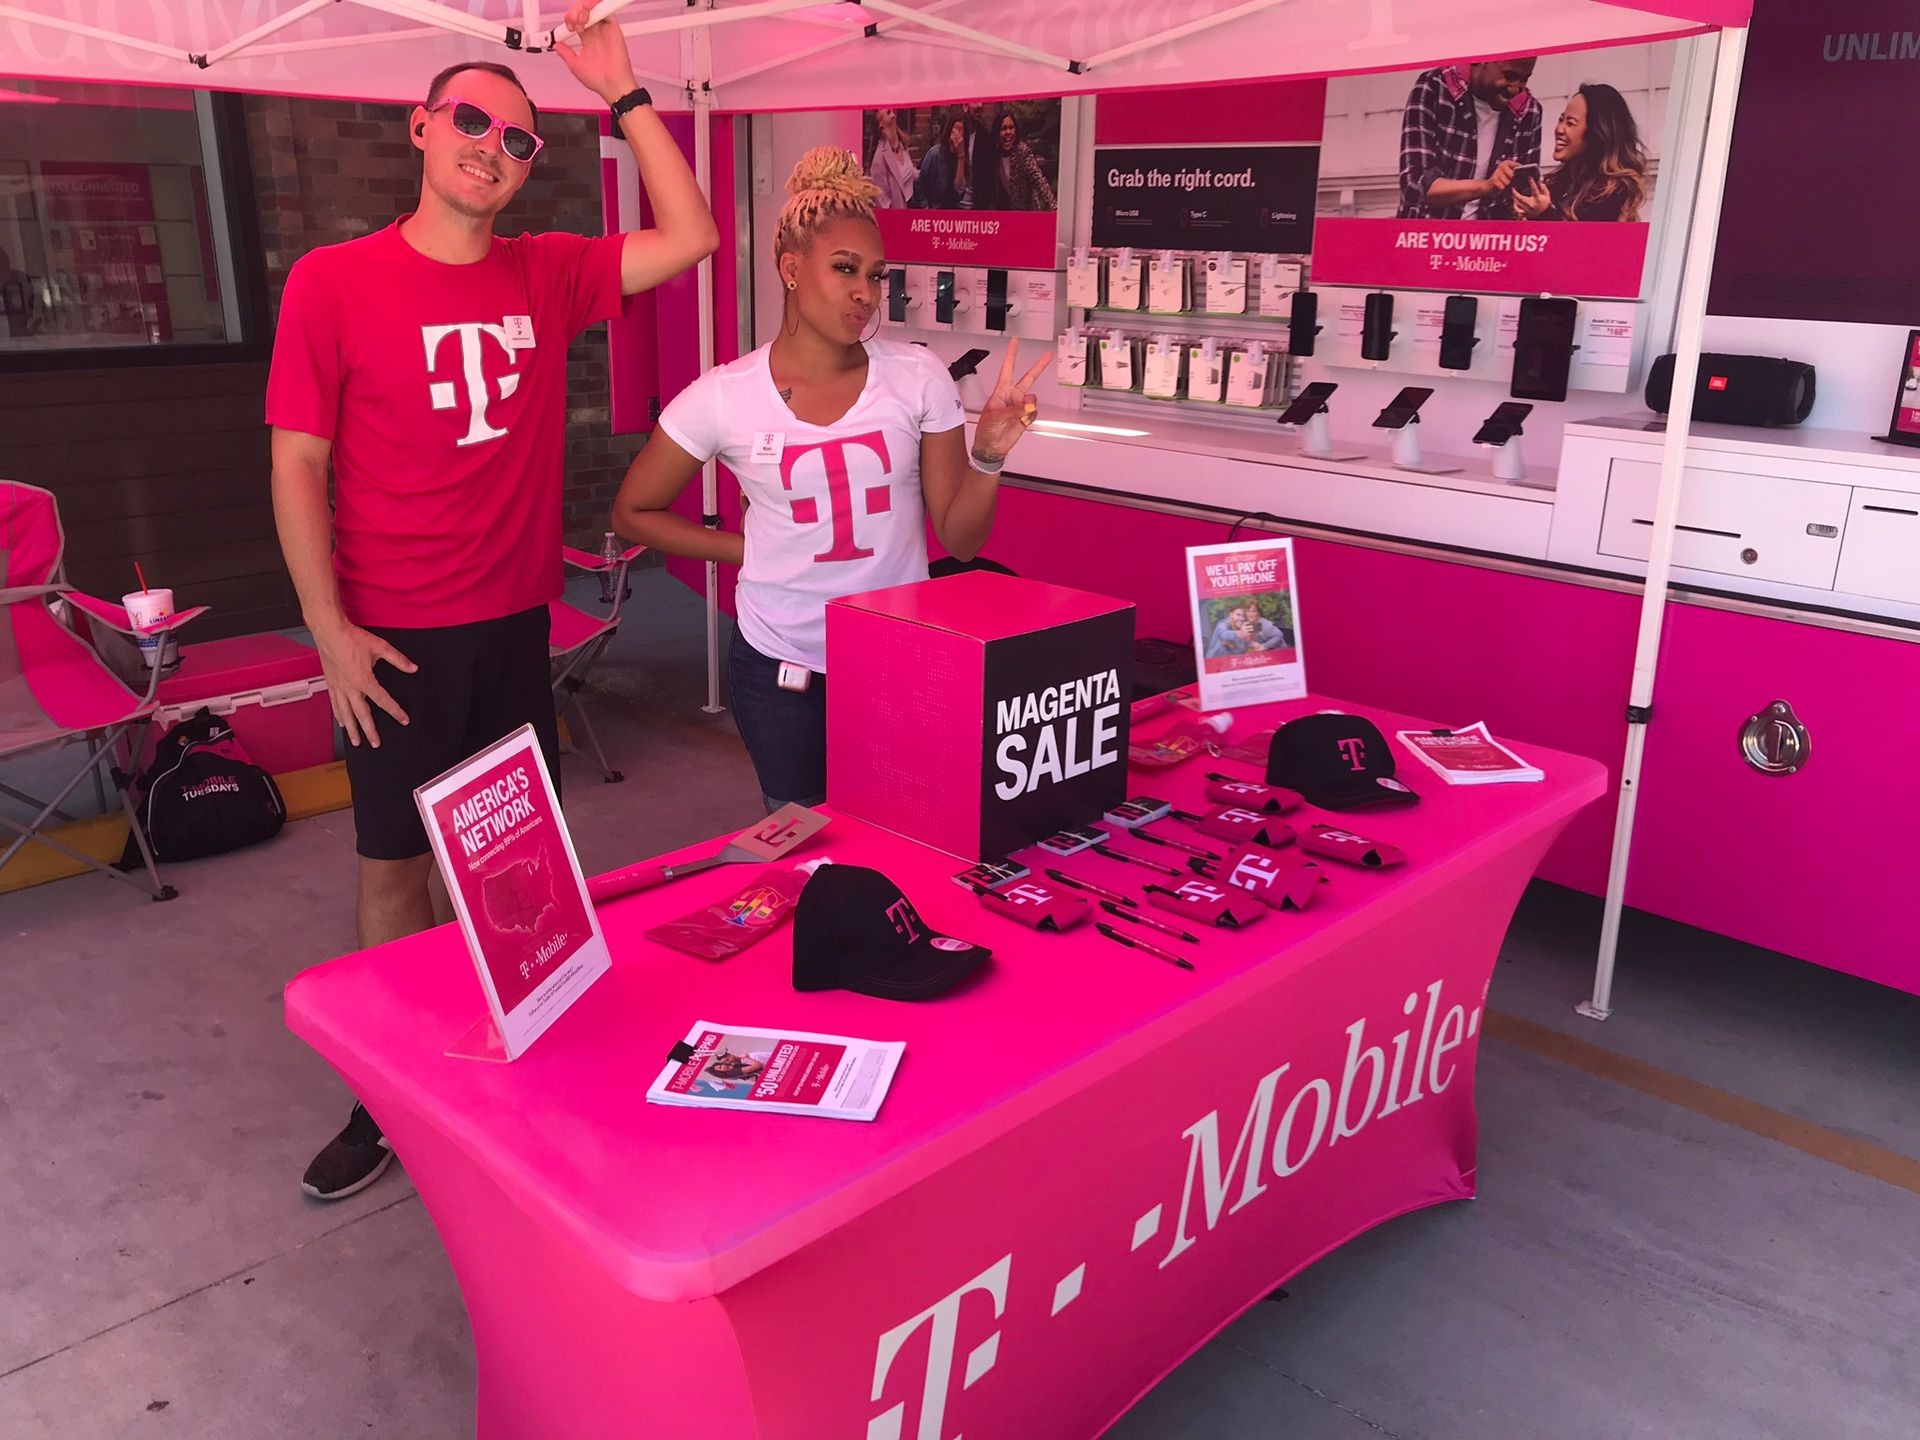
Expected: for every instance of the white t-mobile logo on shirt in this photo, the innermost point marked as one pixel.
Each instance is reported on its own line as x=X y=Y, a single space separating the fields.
x=445 y=394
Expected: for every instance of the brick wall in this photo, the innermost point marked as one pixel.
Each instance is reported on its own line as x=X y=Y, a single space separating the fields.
x=332 y=170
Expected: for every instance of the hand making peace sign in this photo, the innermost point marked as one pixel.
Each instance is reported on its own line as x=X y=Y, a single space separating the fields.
x=1009 y=410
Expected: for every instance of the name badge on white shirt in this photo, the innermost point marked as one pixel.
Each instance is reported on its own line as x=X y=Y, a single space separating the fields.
x=768 y=445
x=519 y=332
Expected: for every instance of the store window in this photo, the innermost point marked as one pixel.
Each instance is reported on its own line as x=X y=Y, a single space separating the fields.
x=117 y=224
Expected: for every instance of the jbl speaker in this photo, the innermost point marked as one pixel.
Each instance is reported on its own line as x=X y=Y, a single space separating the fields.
x=1739 y=389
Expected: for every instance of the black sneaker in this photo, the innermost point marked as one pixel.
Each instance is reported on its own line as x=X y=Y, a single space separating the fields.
x=353 y=1160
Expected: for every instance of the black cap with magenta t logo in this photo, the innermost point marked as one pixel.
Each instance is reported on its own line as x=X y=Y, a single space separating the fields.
x=1339 y=762
x=854 y=930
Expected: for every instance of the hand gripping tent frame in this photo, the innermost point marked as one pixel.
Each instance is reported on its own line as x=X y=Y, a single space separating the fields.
x=787 y=55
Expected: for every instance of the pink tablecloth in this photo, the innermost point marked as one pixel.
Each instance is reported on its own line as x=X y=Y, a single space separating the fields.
x=1090 y=1160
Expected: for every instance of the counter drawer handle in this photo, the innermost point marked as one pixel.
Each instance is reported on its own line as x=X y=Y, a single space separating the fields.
x=1698 y=530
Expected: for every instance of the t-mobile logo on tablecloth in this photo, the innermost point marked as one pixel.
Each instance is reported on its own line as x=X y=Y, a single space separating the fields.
x=875 y=499
x=1276 y=1141
x=944 y=1318
x=445 y=394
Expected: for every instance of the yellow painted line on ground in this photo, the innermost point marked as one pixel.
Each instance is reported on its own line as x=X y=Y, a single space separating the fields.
x=1862 y=1157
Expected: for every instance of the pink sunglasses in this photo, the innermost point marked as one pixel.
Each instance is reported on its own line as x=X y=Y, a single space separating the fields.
x=472 y=121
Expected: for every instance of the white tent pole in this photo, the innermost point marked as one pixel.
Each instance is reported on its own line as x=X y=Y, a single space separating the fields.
x=966 y=32
x=428 y=12
x=1689 y=337
x=883 y=28
x=707 y=19
x=343 y=42
x=1181 y=32
x=92 y=32
x=701 y=73
x=272 y=27
x=594 y=17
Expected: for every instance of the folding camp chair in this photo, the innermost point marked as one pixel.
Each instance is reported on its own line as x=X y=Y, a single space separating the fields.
x=577 y=638
x=55 y=689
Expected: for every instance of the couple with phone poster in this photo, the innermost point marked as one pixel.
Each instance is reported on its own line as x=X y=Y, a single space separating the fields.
x=1471 y=140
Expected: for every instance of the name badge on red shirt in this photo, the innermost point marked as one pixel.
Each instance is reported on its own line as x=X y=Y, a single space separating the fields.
x=519 y=330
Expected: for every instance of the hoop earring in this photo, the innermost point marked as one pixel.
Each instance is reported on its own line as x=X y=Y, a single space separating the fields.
x=786 y=307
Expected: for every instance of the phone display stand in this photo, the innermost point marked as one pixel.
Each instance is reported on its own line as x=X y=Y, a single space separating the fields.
x=1316 y=440
x=1508 y=462
x=1406 y=452
x=481 y=1041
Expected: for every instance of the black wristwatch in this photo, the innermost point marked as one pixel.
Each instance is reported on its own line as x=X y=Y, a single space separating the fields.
x=632 y=100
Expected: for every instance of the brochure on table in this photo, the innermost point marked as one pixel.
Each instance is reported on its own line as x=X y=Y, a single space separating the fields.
x=496 y=828
x=1468 y=756
x=1246 y=638
x=785 y=1072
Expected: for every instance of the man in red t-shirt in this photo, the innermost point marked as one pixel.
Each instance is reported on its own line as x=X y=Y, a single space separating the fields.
x=427 y=364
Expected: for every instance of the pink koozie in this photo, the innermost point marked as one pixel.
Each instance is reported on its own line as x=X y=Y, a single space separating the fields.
x=1349 y=849
x=1209 y=902
x=1284 y=882
x=1246 y=795
x=1037 y=906
x=1241 y=826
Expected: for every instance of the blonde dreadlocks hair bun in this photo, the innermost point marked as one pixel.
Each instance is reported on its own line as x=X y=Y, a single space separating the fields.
x=826 y=185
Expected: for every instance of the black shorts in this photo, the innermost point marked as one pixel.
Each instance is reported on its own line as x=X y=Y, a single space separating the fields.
x=475 y=683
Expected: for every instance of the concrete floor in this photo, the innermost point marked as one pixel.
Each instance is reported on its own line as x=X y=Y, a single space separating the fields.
x=1633 y=1269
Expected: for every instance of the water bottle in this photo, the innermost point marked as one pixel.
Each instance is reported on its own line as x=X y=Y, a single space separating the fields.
x=610 y=552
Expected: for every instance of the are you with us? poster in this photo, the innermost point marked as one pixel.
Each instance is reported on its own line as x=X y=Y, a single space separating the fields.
x=1246 y=615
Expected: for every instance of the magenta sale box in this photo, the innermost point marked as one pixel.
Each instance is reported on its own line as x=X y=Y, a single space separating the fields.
x=977 y=713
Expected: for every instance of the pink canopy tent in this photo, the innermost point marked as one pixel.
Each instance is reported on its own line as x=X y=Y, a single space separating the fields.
x=787 y=55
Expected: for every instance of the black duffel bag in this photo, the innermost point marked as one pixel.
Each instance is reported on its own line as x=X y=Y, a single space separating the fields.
x=202 y=795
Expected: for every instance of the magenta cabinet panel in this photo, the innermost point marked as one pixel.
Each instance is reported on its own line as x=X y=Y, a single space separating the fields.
x=1814 y=865
x=1819 y=864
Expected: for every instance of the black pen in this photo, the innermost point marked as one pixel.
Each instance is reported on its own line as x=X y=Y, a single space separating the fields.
x=1122 y=856
x=1149 y=922
x=1091 y=888
x=1132 y=944
x=1152 y=839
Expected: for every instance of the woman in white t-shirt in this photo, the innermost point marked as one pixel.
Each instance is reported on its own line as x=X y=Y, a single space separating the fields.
x=844 y=447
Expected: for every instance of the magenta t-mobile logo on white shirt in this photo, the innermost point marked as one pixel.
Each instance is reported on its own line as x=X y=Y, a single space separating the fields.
x=875 y=499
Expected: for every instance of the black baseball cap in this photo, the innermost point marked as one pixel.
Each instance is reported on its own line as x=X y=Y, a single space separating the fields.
x=854 y=930
x=1339 y=762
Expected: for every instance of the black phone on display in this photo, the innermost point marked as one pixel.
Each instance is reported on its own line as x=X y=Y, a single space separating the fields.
x=1404 y=409
x=1376 y=330
x=1303 y=322
x=1526 y=179
x=1456 y=332
x=996 y=300
x=897 y=294
x=943 y=301
x=1503 y=424
x=1308 y=403
x=1543 y=349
